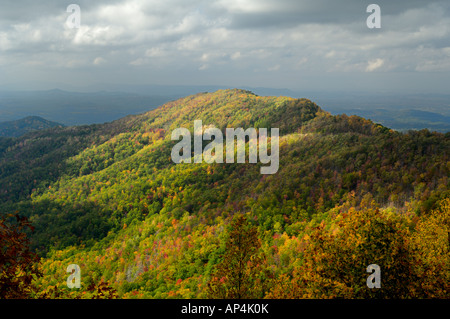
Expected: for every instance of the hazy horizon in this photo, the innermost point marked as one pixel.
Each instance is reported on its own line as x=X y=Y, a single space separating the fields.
x=397 y=111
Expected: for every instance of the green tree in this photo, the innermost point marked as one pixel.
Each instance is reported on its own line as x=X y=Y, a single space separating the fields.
x=241 y=273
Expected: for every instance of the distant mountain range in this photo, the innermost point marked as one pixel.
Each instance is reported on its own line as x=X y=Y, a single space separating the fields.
x=75 y=108
x=28 y=124
x=400 y=112
x=403 y=119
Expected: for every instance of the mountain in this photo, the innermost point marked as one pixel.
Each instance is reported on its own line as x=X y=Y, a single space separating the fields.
x=404 y=119
x=28 y=124
x=107 y=102
x=109 y=198
x=76 y=108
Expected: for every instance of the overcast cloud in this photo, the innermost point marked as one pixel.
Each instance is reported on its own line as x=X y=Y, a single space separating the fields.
x=310 y=45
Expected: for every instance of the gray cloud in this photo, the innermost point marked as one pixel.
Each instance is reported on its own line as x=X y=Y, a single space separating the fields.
x=278 y=43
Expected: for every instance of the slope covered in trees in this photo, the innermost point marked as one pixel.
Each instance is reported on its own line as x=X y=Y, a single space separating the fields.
x=28 y=124
x=110 y=199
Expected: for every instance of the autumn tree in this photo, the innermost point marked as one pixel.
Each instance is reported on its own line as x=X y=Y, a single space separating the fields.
x=17 y=261
x=101 y=290
x=431 y=246
x=335 y=258
x=241 y=273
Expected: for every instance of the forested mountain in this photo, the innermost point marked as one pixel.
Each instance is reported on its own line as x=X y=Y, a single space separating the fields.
x=25 y=125
x=348 y=193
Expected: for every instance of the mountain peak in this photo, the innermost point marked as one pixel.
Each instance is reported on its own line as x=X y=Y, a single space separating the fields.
x=233 y=108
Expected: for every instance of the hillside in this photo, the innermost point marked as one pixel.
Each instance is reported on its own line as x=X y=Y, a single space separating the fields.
x=25 y=125
x=109 y=198
x=404 y=120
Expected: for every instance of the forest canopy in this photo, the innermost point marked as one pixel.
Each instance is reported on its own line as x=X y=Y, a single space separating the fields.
x=348 y=193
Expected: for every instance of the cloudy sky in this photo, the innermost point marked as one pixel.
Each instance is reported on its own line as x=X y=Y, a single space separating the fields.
x=299 y=45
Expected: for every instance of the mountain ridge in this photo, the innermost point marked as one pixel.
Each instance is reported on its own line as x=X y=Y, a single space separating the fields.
x=25 y=125
x=107 y=103
x=121 y=209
